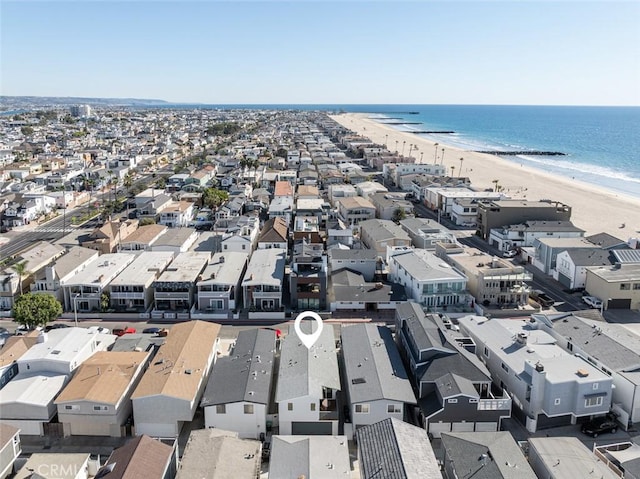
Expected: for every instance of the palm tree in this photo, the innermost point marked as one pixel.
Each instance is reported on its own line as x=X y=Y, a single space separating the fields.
x=410 y=148
x=403 y=145
x=21 y=269
x=460 y=170
x=435 y=153
x=442 y=159
x=452 y=168
x=495 y=182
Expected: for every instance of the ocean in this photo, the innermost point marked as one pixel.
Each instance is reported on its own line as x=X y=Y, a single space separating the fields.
x=601 y=144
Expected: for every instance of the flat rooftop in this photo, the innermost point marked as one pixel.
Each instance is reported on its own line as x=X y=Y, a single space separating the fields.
x=102 y=270
x=185 y=268
x=144 y=269
x=224 y=268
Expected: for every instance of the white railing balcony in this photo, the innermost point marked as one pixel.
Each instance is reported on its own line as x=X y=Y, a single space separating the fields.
x=267 y=295
x=122 y=295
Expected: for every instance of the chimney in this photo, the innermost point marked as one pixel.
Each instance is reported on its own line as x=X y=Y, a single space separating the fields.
x=42 y=337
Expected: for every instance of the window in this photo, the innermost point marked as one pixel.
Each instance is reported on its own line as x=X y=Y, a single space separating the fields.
x=393 y=409
x=362 y=408
x=68 y=407
x=244 y=246
x=248 y=408
x=97 y=408
x=452 y=401
x=556 y=401
x=486 y=352
x=221 y=409
x=289 y=406
x=596 y=385
x=625 y=286
x=593 y=401
x=312 y=406
x=504 y=366
x=473 y=400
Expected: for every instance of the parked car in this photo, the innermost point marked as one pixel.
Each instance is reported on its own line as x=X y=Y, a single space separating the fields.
x=22 y=330
x=600 y=425
x=510 y=254
x=100 y=329
x=49 y=327
x=4 y=335
x=592 y=301
x=123 y=331
x=542 y=298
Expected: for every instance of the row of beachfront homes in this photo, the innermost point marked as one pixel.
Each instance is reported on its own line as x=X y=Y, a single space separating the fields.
x=545 y=371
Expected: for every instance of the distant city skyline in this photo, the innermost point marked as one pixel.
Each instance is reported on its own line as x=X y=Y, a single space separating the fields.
x=338 y=52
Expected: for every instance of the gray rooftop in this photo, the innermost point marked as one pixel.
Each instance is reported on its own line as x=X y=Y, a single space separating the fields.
x=605 y=240
x=546 y=226
x=373 y=367
x=614 y=345
x=392 y=449
x=488 y=455
x=75 y=257
x=266 y=267
x=589 y=256
x=357 y=254
x=304 y=372
x=224 y=268
x=617 y=273
x=323 y=457
x=381 y=230
x=246 y=374
x=174 y=237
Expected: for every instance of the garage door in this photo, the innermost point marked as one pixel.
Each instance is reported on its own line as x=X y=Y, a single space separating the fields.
x=619 y=304
x=311 y=428
x=436 y=428
x=462 y=427
x=564 y=280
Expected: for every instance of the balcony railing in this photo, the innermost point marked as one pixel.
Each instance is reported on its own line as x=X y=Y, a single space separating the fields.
x=328 y=410
x=123 y=295
x=184 y=295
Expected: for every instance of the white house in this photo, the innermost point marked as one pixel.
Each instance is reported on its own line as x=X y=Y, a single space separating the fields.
x=427 y=279
x=238 y=392
x=170 y=390
x=219 y=290
x=10 y=448
x=262 y=285
x=308 y=380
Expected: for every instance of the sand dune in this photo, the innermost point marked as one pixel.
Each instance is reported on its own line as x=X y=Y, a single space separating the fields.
x=593 y=209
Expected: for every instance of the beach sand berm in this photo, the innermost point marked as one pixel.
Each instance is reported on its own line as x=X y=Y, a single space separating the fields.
x=594 y=209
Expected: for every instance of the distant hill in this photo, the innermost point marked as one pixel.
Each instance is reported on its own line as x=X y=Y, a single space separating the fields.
x=14 y=101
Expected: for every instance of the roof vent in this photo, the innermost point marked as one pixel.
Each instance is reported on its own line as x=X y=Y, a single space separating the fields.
x=187 y=371
x=583 y=373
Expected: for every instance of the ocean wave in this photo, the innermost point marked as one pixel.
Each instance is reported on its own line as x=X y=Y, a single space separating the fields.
x=583 y=168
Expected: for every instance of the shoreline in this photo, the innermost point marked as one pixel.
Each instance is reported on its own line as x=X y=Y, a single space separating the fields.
x=594 y=209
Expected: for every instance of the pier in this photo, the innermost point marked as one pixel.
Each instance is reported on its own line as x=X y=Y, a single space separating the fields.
x=514 y=153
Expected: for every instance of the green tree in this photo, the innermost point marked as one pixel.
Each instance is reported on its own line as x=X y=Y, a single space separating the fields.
x=26 y=130
x=33 y=310
x=21 y=269
x=105 y=299
x=399 y=214
x=147 y=221
x=213 y=197
x=282 y=153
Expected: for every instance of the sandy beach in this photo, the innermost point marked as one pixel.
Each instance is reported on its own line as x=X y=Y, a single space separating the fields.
x=594 y=209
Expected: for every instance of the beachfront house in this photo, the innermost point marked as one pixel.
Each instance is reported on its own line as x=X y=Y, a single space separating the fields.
x=262 y=285
x=220 y=289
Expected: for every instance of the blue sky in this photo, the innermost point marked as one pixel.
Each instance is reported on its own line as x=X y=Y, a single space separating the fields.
x=446 y=52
